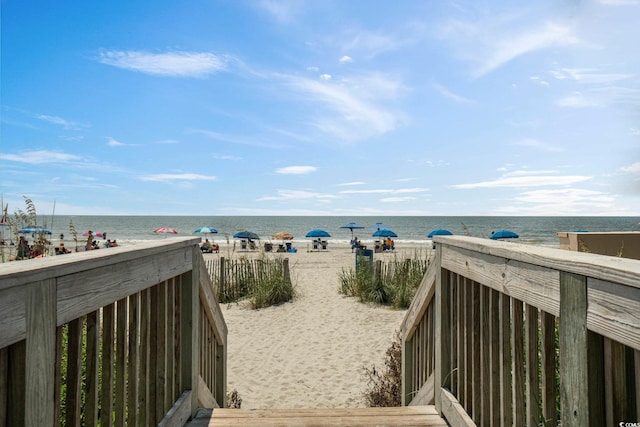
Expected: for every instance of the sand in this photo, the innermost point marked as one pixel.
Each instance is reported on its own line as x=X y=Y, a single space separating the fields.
x=309 y=353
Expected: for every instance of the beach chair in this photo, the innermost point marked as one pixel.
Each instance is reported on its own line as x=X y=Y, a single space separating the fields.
x=324 y=245
x=315 y=245
x=290 y=248
x=243 y=245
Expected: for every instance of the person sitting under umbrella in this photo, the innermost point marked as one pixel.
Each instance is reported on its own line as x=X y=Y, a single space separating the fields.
x=389 y=244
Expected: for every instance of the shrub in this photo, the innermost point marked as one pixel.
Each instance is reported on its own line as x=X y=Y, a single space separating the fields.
x=385 y=388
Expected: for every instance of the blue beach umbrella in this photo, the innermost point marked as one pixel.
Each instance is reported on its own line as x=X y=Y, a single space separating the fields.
x=380 y=226
x=384 y=233
x=352 y=226
x=206 y=230
x=34 y=230
x=439 y=232
x=246 y=235
x=503 y=234
x=318 y=233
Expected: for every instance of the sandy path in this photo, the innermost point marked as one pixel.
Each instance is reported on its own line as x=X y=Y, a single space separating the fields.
x=309 y=353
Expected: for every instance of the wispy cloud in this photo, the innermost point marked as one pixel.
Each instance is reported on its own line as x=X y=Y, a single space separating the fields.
x=114 y=143
x=165 y=177
x=40 y=157
x=170 y=64
x=525 y=179
x=492 y=42
x=566 y=201
x=348 y=184
x=386 y=191
x=452 y=96
x=397 y=199
x=296 y=170
x=67 y=124
x=577 y=100
x=541 y=145
x=346 y=59
x=298 y=195
x=589 y=75
x=282 y=11
x=632 y=168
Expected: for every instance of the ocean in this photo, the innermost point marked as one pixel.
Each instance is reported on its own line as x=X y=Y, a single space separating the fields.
x=410 y=229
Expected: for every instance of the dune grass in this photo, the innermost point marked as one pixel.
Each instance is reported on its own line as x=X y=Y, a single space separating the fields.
x=393 y=283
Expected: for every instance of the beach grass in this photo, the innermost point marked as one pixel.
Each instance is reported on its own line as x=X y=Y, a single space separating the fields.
x=391 y=283
x=385 y=386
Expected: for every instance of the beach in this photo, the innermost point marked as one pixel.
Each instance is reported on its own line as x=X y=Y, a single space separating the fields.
x=309 y=353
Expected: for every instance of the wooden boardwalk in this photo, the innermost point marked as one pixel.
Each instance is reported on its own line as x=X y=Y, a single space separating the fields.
x=400 y=416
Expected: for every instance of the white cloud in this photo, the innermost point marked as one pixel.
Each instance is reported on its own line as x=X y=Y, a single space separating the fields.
x=325 y=76
x=39 y=157
x=589 y=75
x=397 y=199
x=58 y=121
x=345 y=59
x=386 y=191
x=173 y=64
x=297 y=195
x=282 y=11
x=114 y=143
x=567 y=201
x=577 y=100
x=296 y=170
x=177 y=177
x=633 y=168
x=348 y=184
x=522 y=181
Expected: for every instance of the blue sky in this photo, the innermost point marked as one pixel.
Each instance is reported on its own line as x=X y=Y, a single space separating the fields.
x=230 y=107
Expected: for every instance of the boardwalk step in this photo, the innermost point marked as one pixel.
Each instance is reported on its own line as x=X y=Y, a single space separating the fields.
x=400 y=416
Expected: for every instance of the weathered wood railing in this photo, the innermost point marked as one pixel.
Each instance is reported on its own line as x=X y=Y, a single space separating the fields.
x=128 y=335
x=506 y=334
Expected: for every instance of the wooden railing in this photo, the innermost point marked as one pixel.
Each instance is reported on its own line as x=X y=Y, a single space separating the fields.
x=506 y=334
x=128 y=335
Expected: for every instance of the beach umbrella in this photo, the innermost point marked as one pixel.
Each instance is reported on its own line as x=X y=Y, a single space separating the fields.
x=439 y=232
x=380 y=226
x=318 y=233
x=384 y=233
x=246 y=235
x=352 y=226
x=282 y=235
x=503 y=234
x=165 y=231
x=206 y=230
x=34 y=230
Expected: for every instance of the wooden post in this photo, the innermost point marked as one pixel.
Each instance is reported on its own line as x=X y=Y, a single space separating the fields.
x=574 y=381
x=287 y=274
x=41 y=315
x=532 y=379
x=222 y=282
x=407 y=365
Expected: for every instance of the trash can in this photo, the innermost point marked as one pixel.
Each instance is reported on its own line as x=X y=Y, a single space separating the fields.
x=364 y=255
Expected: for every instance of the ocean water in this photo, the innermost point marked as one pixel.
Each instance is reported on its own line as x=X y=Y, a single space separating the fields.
x=410 y=229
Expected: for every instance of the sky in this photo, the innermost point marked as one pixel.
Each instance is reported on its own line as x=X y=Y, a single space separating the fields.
x=361 y=107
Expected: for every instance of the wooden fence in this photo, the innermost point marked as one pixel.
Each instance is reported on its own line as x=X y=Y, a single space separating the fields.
x=503 y=334
x=234 y=279
x=123 y=336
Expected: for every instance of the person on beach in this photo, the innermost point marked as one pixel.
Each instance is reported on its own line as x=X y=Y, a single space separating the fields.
x=89 y=245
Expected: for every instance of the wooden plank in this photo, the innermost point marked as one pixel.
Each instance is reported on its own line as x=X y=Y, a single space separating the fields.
x=13 y=309
x=532 y=379
x=485 y=359
x=549 y=412
x=453 y=322
x=518 y=357
x=58 y=375
x=16 y=404
x=89 y=290
x=133 y=360
x=535 y=285
x=205 y=398
x=454 y=412
x=328 y=413
x=608 y=268
x=614 y=311
x=189 y=312
x=574 y=382
x=108 y=343
x=212 y=309
x=506 y=396
x=468 y=346
x=426 y=394
x=476 y=392
x=73 y=402
x=172 y=393
x=16 y=274
x=179 y=413
x=92 y=359
x=41 y=352
x=597 y=410
x=460 y=336
x=494 y=357
x=144 y=352
x=121 y=363
x=617 y=398
x=152 y=383
x=161 y=352
x=407 y=369
x=442 y=333
x=421 y=299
